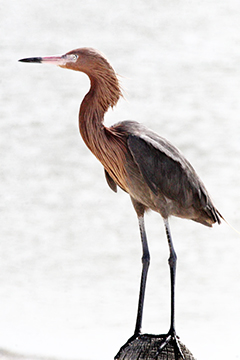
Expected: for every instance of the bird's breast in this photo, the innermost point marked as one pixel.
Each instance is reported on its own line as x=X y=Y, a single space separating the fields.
x=113 y=156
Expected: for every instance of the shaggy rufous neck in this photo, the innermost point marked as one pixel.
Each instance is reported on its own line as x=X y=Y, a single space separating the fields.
x=105 y=143
x=104 y=93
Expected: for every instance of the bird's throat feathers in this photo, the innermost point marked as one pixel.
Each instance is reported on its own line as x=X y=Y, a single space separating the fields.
x=105 y=143
x=104 y=93
x=105 y=90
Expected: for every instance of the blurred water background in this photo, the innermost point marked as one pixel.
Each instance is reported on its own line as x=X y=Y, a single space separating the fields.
x=70 y=248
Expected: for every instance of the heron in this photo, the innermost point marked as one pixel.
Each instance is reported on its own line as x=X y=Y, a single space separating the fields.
x=148 y=167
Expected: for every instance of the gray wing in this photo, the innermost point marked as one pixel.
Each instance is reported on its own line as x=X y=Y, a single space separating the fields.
x=166 y=170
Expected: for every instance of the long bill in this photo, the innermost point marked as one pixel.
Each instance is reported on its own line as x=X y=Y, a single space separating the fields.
x=59 y=60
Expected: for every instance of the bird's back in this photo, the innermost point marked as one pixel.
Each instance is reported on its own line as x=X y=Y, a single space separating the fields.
x=160 y=177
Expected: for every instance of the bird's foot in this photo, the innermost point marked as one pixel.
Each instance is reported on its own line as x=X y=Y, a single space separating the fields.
x=171 y=338
x=135 y=342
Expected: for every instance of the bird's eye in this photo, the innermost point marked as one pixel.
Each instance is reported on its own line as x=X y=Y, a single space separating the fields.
x=72 y=57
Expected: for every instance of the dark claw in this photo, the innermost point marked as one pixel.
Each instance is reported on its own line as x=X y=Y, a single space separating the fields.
x=171 y=338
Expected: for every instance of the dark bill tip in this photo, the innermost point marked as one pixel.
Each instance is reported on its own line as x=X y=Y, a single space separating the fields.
x=32 y=60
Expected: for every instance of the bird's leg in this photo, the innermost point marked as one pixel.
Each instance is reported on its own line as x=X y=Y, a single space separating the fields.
x=172 y=261
x=145 y=266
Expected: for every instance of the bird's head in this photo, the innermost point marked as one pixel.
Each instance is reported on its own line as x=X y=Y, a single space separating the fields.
x=87 y=60
x=95 y=65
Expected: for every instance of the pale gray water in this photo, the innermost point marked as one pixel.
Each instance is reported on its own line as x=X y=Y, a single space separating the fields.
x=70 y=247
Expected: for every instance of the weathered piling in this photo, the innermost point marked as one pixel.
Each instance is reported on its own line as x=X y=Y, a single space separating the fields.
x=146 y=347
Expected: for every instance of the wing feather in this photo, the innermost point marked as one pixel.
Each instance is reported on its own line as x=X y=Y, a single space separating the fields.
x=166 y=170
